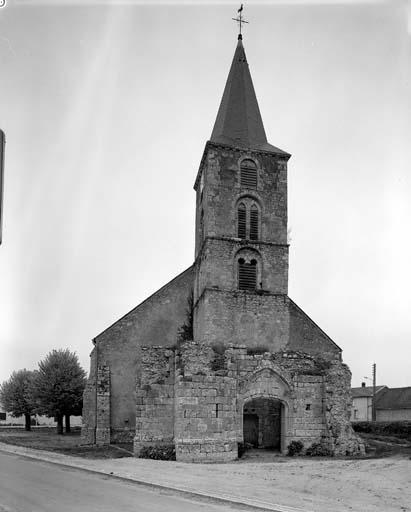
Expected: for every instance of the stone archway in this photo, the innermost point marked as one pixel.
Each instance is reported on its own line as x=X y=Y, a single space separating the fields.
x=264 y=405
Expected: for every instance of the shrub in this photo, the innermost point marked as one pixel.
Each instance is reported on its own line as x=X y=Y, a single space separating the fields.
x=318 y=450
x=384 y=428
x=218 y=361
x=163 y=452
x=242 y=448
x=295 y=448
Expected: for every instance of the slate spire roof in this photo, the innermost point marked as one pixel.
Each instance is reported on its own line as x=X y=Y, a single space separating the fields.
x=239 y=121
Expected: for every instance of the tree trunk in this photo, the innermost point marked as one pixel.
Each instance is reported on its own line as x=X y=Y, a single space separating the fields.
x=67 y=417
x=27 y=421
x=60 y=424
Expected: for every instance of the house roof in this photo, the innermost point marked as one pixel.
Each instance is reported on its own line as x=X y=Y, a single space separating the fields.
x=239 y=121
x=395 y=398
x=365 y=391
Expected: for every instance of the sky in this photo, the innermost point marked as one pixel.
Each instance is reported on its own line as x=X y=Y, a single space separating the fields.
x=107 y=107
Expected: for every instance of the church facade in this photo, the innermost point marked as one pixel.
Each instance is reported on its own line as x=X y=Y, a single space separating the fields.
x=221 y=355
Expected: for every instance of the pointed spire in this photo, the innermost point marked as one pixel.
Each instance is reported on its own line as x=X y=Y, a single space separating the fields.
x=238 y=121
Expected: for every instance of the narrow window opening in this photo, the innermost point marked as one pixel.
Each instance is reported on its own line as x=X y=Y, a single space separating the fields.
x=254 y=222
x=242 y=221
x=185 y=413
x=248 y=174
x=202 y=225
x=216 y=410
x=307 y=407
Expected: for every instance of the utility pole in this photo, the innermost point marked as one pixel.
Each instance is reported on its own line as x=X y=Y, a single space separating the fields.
x=374 y=386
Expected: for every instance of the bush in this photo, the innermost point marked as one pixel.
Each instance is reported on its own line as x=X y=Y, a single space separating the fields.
x=318 y=450
x=295 y=448
x=218 y=361
x=163 y=452
x=242 y=448
x=384 y=428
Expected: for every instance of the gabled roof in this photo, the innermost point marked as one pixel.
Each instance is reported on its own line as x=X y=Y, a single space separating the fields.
x=239 y=121
x=396 y=398
x=365 y=391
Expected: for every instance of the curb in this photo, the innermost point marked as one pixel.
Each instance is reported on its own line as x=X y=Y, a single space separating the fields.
x=242 y=503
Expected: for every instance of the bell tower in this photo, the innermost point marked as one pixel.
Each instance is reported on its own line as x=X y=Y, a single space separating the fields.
x=241 y=250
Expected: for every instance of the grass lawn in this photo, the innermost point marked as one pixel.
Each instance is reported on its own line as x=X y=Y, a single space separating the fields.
x=44 y=438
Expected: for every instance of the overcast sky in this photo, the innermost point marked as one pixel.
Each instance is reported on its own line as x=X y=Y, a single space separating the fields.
x=107 y=107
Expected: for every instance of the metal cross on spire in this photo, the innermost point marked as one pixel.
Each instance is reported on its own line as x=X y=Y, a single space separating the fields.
x=240 y=20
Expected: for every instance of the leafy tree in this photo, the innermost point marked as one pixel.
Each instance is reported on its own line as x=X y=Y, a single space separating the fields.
x=15 y=395
x=58 y=386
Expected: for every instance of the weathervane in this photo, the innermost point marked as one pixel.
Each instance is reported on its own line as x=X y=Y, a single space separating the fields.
x=240 y=20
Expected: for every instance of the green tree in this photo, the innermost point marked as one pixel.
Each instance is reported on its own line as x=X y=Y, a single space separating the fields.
x=58 y=386
x=15 y=395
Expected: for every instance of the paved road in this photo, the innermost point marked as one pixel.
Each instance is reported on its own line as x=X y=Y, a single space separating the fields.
x=28 y=485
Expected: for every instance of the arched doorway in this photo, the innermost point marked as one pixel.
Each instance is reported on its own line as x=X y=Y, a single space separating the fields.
x=262 y=423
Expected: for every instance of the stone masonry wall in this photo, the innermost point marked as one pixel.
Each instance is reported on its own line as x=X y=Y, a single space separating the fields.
x=218 y=265
x=221 y=191
x=206 y=429
x=341 y=438
x=242 y=318
x=155 y=399
x=155 y=321
x=212 y=385
x=103 y=405
x=88 y=429
x=306 y=336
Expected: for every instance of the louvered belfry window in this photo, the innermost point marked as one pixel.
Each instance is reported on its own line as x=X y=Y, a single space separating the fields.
x=247 y=275
x=242 y=221
x=248 y=174
x=254 y=222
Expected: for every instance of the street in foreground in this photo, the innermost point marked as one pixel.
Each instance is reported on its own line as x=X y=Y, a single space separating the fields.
x=28 y=485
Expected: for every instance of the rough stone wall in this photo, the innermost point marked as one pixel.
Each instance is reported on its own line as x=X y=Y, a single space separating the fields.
x=155 y=399
x=221 y=191
x=305 y=335
x=218 y=265
x=242 y=317
x=155 y=321
x=88 y=428
x=206 y=429
x=103 y=405
x=340 y=436
x=213 y=385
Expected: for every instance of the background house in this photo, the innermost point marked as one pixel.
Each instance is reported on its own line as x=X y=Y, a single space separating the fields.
x=394 y=404
x=361 y=409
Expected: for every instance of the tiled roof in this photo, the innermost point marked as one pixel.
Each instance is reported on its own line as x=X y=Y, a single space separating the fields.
x=365 y=391
x=239 y=121
x=396 y=398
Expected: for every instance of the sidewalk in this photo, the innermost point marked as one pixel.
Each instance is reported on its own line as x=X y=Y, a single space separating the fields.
x=282 y=485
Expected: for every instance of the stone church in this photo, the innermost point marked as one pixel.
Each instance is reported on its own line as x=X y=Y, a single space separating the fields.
x=221 y=355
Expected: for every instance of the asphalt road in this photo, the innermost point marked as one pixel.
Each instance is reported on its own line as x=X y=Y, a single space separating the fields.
x=28 y=485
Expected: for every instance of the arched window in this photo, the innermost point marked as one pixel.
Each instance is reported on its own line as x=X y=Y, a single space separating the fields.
x=253 y=222
x=242 y=221
x=248 y=174
x=247 y=274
